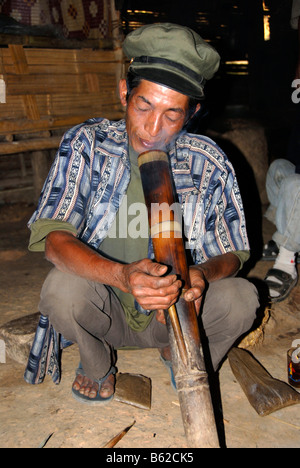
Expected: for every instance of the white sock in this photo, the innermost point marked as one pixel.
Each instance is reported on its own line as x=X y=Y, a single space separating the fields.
x=285 y=261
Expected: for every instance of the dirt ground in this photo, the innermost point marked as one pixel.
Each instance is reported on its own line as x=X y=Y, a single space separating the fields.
x=30 y=414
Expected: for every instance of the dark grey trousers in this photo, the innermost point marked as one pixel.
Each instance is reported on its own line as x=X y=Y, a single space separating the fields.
x=89 y=314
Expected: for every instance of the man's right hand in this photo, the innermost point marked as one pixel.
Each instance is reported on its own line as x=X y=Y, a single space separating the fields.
x=151 y=287
x=145 y=280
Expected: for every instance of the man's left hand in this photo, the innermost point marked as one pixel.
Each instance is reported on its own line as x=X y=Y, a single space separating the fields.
x=198 y=286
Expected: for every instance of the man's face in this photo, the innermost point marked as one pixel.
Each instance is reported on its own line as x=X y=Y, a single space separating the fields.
x=154 y=116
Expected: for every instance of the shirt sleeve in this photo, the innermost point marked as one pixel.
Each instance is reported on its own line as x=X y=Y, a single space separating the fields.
x=41 y=228
x=243 y=256
x=67 y=189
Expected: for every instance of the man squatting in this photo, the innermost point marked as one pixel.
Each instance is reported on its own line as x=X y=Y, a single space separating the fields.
x=107 y=292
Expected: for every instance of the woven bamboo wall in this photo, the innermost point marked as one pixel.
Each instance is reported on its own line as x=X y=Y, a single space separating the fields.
x=48 y=91
x=52 y=88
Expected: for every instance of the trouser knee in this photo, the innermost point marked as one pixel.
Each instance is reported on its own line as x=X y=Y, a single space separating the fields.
x=240 y=299
x=71 y=302
x=229 y=312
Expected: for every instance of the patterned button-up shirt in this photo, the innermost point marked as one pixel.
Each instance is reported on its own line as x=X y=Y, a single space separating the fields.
x=91 y=173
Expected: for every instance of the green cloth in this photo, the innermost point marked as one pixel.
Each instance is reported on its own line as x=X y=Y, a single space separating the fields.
x=123 y=244
x=41 y=228
x=243 y=256
x=172 y=55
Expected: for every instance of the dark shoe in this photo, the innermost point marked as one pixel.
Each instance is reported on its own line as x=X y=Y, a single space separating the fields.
x=285 y=285
x=271 y=250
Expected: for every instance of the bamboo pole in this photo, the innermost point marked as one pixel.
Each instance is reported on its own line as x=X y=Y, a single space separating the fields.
x=187 y=355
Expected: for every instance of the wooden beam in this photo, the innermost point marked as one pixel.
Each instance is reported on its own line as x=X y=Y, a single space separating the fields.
x=40 y=168
x=35 y=144
x=28 y=126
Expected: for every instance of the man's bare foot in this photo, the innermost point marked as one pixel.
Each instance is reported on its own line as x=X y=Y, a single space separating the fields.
x=90 y=388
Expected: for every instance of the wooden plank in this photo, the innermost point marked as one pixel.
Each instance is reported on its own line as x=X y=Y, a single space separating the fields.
x=34 y=144
x=18 y=85
x=76 y=68
x=91 y=104
x=18 y=59
x=26 y=194
x=10 y=182
x=20 y=62
x=92 y=81
x=40 y=171
x=82 y=59
x=31 y=107
x=12 y=109
x=25 y=125
x=46 y=123
x=64 y=104
x=61 y=57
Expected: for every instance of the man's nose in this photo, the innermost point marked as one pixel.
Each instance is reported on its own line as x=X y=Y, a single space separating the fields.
x=153 y=125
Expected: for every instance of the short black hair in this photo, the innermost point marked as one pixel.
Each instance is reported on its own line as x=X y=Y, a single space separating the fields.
x=133 y=81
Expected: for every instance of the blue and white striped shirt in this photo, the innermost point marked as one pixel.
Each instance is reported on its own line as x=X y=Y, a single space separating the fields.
x=90 y=175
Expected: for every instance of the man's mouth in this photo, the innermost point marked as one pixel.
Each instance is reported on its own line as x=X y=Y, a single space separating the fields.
x=151 y=145
x=147 y=144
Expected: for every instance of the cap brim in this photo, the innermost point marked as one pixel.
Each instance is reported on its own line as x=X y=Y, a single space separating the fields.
x=181 y=84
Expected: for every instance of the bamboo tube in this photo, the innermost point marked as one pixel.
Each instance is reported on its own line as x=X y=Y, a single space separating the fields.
x=190 y=372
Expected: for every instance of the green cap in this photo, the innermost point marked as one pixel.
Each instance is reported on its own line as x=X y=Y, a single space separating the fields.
x=172 y=55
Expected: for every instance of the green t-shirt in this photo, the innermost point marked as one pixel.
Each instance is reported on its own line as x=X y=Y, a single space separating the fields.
x=127 y=240
x=42 y=227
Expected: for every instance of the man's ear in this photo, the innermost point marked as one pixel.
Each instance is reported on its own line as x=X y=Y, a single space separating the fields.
x=123 y=92
x=198 y=107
